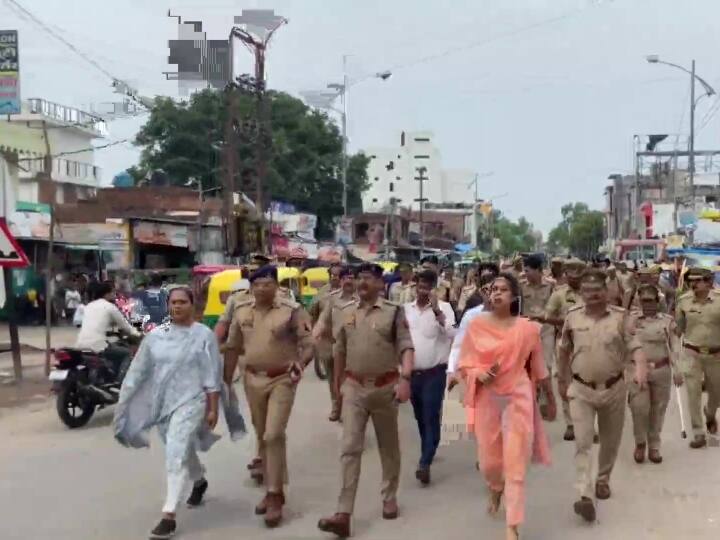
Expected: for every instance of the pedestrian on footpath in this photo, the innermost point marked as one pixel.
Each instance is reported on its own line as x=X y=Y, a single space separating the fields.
x=595 y=342
x=174 y=383
x=656 y=333
x=432 y=327
x=373 y=342
x=328 y=325
x=274 y=335
x=564 y=298
x=502 y=363
x=698 y=321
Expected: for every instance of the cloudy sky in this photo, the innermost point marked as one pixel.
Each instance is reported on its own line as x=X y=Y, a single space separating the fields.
x=546 y=93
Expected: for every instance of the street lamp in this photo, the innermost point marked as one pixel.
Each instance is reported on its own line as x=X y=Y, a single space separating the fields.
x=709 y=91
x=324 y=100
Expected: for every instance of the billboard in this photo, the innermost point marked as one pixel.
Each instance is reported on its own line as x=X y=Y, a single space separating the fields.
x=9 y=72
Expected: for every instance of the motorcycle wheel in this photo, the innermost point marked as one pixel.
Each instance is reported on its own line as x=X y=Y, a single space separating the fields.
x=73 y=410
x=320 y=369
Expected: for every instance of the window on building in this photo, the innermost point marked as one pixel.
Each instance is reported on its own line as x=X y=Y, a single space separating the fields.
x=422 y=156
x=377 y=178
x=422 y=139
x=392 y=187
x=397 y=178
x=373 y=156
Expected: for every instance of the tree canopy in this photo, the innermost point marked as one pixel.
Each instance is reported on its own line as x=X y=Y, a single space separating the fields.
x=513 y=236
x=304 y=154
x=580 y=232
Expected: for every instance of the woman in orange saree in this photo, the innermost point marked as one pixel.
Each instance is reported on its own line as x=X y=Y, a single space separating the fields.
x=501 y=360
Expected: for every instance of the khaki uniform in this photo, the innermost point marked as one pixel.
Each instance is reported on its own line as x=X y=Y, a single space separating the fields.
x=323 y=347
x=371 y=340
x=626 y=279
x=534 y=300
x=597 y=349
x=657 y=337
x=632 y=301
x=465 y=293
x=402 y=293
x=270 y=340
x=443 y=290
x=616 y=294
x=699 y=323
x=562 y=300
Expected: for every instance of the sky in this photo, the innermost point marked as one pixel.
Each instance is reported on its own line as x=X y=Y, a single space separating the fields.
x=547 y=94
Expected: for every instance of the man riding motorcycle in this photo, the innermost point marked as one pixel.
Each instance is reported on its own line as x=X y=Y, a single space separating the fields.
x=100 y=317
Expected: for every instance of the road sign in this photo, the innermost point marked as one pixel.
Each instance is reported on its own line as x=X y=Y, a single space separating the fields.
x=11 y=254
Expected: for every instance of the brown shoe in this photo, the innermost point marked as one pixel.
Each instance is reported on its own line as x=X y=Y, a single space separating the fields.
x=639 y=454
x=586 y=509
x=569 y=434
x=602 y=490
x=254 y=464
x=423 y=475
x=339 y=525
x=334 y=416
x=654 y=455
x=258 y=476
x=273 y=514
x=698 y=442
x=390 y=509
x=261 y=508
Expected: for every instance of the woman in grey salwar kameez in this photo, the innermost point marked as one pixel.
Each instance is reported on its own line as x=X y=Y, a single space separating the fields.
x=174 y=383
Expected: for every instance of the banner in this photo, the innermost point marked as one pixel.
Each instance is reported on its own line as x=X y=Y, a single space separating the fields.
x=9 y=72
x=160 y=234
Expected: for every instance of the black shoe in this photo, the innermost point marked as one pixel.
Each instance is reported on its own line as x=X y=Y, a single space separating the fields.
x=198 y=491
x=163 y=530
x=586 y=509
x=423 y=475
x=569 y=434
x=596 y=439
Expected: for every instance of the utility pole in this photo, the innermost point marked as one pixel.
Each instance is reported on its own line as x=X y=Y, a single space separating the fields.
x=421 y=178
x=51 y=247
x=259 y=26
x=691 y=149
x=474 y=182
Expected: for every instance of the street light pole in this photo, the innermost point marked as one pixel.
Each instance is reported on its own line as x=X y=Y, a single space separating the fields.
x=345 y=138
x=691 y=157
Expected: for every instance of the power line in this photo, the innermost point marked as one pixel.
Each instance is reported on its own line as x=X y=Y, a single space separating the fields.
x=88 y=149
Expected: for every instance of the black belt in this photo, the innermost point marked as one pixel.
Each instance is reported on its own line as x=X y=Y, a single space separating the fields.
x=434 y=369
x=595 y=386
x=702 y=350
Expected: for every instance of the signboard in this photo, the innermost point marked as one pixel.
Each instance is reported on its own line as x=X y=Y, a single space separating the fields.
x=11 y=254
x=9 y=72
x=30 y=225
x=160 y=234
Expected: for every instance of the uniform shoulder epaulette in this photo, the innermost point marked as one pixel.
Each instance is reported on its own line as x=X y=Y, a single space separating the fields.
x=289 y=303
x=617 y=309
x=574 y=308
x=244 y=302
x=686 y=295
x=348 y=304
x=562 y=288
x=334 y=292
x=665 y=316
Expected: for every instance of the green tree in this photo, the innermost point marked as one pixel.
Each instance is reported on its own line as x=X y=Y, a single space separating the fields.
x=185 y=140
x=514 y=236
x=580 y=232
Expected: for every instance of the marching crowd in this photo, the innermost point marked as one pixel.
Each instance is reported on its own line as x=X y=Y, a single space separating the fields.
x=506 y=340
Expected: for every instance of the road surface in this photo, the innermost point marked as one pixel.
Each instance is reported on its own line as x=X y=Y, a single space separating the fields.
x=76 y=485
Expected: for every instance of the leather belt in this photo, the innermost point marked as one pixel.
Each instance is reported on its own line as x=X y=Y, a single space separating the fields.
x=376 y=380
x=434 y=369
x=657 y=364
x=599 y=386
x=270 y=373
x=702 y=350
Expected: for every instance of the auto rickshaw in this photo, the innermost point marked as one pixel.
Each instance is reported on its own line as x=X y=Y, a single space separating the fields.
x=313 y=280
x=388 y=266
x=291 y=279
x=219 y=290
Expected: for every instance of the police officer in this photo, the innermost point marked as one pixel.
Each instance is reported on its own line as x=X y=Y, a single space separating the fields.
x=564 y=298
x=403 y=291
x=656 y=333
x=323 y=341
x=274 y=335
x=372 y=343
x=645 y=276
x=595 y=341
x=698 y=320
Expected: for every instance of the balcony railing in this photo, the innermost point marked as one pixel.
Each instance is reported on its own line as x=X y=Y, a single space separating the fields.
x=63 y=170
x=68 y=115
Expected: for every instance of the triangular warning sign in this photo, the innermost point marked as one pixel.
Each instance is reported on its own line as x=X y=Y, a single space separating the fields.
x=11 y=254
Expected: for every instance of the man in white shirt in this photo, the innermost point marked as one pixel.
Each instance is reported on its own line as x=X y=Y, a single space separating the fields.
x=432 y=326
x=100 y=317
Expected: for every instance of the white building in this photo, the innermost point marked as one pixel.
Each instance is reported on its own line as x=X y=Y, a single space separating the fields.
x=65 y=134
x=392 y=172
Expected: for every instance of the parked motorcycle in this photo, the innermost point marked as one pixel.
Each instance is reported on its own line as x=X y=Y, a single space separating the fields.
x=85 y=381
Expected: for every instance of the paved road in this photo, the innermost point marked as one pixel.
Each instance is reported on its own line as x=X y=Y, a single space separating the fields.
x=80 y=485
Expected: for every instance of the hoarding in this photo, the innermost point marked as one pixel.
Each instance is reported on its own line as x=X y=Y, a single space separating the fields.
x=9 y=72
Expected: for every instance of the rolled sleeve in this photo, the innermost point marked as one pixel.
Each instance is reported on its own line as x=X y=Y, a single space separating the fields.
x=226 y=316
x=235 y=340
x=403 y=339
x=303 y=328
x=340 y=345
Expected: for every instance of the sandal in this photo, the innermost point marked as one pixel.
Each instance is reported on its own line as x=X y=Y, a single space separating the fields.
x=494 y=503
